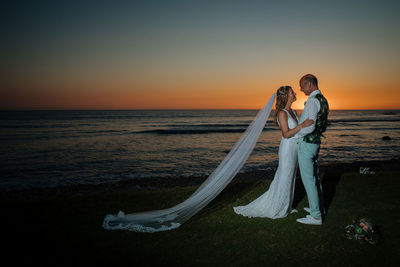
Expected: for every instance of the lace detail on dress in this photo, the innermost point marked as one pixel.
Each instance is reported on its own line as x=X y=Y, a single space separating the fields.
x=108 y=224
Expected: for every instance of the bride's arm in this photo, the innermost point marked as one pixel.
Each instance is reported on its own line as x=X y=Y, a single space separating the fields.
x=283 y=122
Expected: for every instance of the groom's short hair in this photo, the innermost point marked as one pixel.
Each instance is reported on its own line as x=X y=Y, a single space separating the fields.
x=311 y=79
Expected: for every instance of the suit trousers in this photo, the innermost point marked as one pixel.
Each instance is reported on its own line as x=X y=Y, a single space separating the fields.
x=308 y=163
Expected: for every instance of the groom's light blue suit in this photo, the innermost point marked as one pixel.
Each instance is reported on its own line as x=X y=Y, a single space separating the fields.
x=308 y=159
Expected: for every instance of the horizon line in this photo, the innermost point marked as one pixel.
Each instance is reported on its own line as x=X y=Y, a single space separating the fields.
x=144 y=109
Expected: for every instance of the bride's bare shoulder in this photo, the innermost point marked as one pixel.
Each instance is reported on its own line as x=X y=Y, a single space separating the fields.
x=282 y=116
x=282 y=113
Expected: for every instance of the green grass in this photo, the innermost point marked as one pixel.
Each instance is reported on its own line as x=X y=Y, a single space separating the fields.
x=68 y=230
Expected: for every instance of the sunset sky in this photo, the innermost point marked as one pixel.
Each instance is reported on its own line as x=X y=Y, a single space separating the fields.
x=197 y=54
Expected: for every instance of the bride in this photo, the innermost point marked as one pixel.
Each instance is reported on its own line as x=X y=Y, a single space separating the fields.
x=277 y=201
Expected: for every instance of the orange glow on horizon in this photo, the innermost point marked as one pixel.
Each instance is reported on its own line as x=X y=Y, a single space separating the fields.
x=179 y=99
x=198 y=55
x=237 y=94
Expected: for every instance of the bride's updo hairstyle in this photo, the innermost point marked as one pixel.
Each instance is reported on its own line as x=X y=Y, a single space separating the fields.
x=281 y=100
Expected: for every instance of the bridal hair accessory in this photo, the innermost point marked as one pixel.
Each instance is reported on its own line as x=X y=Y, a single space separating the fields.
x=283 y=90
x=361 y=230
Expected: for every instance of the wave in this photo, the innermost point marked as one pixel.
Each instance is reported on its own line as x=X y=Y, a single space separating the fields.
x=210 y=125
x=197 y=131
x=241 y=127
x=364 y=120
x=39 y=126
x=192 y=131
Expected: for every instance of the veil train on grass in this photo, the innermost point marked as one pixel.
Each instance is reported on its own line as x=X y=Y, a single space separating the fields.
x=171 y=218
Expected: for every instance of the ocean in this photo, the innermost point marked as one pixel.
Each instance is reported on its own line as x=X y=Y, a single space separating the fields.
x=73 y=147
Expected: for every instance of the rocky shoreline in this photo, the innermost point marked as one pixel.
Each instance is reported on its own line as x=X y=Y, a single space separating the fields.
x=366 y=167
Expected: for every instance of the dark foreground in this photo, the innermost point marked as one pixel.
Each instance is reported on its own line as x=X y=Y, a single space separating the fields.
x=63 y=226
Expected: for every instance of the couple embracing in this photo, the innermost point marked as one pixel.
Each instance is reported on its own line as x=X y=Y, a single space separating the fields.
x=299 y=147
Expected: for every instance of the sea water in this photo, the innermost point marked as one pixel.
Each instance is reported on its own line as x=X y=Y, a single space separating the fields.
x=72 y=147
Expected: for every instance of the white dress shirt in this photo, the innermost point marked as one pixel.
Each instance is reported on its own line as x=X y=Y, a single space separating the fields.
x=310 y=112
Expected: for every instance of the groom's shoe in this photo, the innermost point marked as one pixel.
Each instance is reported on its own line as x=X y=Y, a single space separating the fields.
x=309 y=211
x=310 y=220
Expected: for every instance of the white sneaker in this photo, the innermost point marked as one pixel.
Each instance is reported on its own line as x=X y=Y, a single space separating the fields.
x=309 y=220
x=307 y=209
x=293 y=211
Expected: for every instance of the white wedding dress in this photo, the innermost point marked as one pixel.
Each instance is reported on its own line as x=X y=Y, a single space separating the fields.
x=277 y=201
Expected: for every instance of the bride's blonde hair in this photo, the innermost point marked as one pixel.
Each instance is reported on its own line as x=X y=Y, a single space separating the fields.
x=282 y=95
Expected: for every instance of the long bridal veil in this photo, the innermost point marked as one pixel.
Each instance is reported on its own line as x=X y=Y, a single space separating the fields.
x=171 y=218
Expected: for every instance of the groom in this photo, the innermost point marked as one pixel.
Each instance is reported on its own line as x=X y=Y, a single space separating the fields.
x=309 y=140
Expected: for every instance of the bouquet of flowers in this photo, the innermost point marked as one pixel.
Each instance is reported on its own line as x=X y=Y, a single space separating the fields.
x=361 y=230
